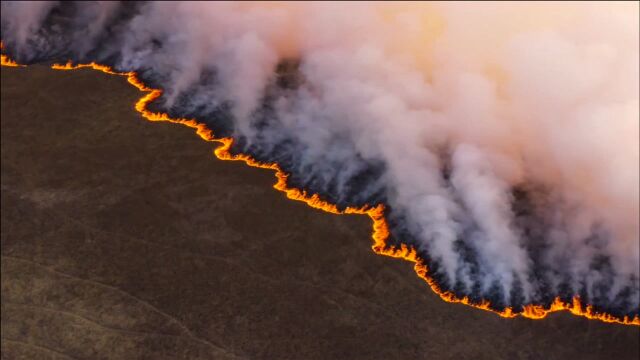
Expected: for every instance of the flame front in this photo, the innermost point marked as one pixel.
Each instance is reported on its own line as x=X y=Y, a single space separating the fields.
x=5 y=60
x=380 y=233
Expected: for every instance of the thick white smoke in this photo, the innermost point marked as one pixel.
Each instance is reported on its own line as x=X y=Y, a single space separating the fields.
x=467 y=106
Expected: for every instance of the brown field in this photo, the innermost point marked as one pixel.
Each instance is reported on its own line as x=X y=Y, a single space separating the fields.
x=126 y=239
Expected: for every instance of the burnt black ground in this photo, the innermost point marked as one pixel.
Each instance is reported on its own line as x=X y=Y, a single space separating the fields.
x=125 y=239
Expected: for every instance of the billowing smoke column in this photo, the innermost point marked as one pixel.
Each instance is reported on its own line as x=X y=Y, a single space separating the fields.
x=503 y=138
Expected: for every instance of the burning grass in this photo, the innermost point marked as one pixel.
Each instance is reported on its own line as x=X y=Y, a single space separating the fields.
x=380 y=229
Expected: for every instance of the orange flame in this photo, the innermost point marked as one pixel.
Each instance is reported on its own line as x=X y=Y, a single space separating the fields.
x=380 y=233
x=5 y=60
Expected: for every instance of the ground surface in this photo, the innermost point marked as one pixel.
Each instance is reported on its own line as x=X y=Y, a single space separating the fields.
x=125 y=239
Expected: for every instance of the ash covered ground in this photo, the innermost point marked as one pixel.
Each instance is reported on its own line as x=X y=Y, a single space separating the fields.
x=125 y=239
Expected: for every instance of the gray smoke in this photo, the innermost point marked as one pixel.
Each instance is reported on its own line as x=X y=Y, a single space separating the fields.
x=503 y=138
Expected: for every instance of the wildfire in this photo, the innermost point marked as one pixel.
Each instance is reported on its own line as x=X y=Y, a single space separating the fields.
x=380 y=233
x=6 y=61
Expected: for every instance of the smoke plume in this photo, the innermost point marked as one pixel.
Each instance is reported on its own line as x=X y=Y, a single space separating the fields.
x=503 y=138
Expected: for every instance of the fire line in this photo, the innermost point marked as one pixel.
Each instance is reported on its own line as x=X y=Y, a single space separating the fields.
x=380 y=229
